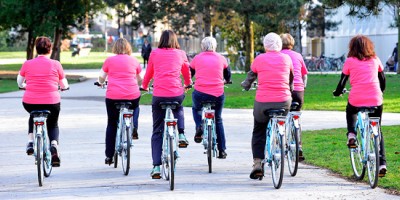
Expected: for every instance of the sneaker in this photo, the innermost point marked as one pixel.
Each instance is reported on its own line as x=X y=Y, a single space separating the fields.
x=222 y=154
x=351 y=140
x=55 y=157
x=109 y=161
x=156 y=172
x=29 y=148
x=183 y=142
x=135 y=135
x=382 y=171
x=257 y=172
x=198 y=137
x=301 y=156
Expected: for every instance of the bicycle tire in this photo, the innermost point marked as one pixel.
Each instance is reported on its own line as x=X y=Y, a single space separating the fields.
x=47 y=167
x=171 y=162
x=357 y=156
x=277 y=159
x=39 y=161
x=209 y=148
x=125 y=150
x=293 y=150
x=373 y=161
x=115 y=159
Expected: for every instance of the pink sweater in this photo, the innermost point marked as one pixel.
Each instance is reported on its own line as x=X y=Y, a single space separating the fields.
x=299 y=69
x=121 y=74
x=365 y=89
x=42 y=76
x=273 y=71
x=209 y=75
x=165 y=67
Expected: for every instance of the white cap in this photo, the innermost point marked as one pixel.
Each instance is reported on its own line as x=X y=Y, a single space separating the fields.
x=272 y=42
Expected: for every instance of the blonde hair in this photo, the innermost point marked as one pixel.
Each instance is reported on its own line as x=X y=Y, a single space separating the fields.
x=122 y=46
x=272 y=42
x=208 y=44
x=287 y=41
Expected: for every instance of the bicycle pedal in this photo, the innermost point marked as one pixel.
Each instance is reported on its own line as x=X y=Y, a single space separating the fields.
x=182 y=145
x=156 y=176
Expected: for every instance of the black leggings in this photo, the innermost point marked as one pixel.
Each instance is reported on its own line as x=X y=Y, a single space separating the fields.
x=52 y=119
x=351 y=117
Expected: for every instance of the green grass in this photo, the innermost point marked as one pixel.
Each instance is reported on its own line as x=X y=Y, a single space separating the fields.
x=13 y=54
x=327 y=149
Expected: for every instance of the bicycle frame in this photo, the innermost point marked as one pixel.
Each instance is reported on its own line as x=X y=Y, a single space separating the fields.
x=275 y=122
x=366 y=123
x=208 y=119
x=40 y=131
x=170 y=131
x=125 y=120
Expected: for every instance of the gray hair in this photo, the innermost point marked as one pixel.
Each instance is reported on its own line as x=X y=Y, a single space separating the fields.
x=208 y=44
x=272 y=42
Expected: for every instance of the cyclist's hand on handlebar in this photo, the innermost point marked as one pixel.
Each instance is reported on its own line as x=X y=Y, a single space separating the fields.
x=142 y=89
x=64 y=89
x=188 y=87
x=228 y=82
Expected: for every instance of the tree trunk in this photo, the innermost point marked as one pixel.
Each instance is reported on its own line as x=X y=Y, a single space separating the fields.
x=30 y=46
x=207 y=18
x=398 y=39
x=55 y=54
x=249 y=41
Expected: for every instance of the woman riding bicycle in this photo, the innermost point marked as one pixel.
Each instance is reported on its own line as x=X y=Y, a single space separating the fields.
x=166 y=64
x=41 y=78
x=299 y=76
x=275 y=75
x=367 y=82
x=122 y=74
x=210 y=69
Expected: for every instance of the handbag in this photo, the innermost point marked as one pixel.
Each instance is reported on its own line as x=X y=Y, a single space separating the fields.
x=390 y=61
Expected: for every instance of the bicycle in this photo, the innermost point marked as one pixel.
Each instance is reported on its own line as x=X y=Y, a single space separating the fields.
x=209 y=132
x=274 y=146
x=365 y=155
x=293 y=138
x=123 y=140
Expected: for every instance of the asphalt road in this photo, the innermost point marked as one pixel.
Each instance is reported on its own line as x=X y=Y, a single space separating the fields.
x=83 y=173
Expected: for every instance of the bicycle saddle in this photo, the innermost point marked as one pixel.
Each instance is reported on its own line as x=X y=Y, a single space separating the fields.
x=173 y=104
x=276 y=112
x=36 y=113
x=294 y=105
x=208 y=102
x=367 y=109
x=118 y=105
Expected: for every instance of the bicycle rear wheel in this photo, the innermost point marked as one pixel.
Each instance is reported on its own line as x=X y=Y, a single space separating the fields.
x=47 y=167
x=126 y=149
x=171 y=162
x=373 y=160
x=277 y=160
x=357 y=157
x=39 y=159
x=209 y=148
x=293 y=150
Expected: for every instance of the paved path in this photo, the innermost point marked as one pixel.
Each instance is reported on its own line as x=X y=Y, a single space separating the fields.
x=83 y=174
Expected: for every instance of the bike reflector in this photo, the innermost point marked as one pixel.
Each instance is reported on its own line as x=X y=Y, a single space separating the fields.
x=374 y=123
x=128 y=115
x=39 y=123
x=171 y=123
x=296 y=116
x=281 y=123
x=209 y=114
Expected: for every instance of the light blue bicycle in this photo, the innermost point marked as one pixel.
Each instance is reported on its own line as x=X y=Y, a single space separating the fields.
x=209 y=134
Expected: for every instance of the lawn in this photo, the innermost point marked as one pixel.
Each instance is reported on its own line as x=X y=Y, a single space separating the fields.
x=318 y=146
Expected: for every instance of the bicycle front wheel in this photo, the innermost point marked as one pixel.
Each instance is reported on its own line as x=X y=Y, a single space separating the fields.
x=126 y=149
x=277 y=160
x=39 y=159
x=373 y=160
x=293 y=150
x=209 y=148
x=47 y=167
x=357 y=157
x=171 y=167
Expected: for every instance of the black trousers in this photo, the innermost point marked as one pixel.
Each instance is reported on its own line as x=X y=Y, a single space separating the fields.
x=52 y=119
x=351 y=117
x=298 y=96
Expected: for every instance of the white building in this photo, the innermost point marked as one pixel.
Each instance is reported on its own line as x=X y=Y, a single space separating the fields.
x=377 y=28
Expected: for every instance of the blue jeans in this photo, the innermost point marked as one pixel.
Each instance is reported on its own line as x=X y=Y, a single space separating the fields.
x=197 y=98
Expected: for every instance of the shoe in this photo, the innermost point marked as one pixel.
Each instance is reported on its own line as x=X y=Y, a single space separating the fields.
x=351 y=140
x=29 y=148
x=135 y=135
x=222 y=154
x=382 y=171
x=109 y=161
x=183 y=142
x=156 y=172
x=198 y=137
x=257 y=172
x=55 y=157
x=301 y=156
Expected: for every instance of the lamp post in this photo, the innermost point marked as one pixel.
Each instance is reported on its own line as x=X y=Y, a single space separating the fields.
x=105 y=33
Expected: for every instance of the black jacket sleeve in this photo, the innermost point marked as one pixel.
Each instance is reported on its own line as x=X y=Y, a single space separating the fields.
x=251 y=77
x=192 y=72
x=227 y=74
x=382 y=81
x=341 y=85
x=291 y=84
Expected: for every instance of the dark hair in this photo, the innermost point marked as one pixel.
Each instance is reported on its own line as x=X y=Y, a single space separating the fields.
x=361 y=47
x=43 y=45
x=168 y=40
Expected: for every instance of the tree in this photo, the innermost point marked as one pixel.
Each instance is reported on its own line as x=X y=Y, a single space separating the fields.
x=366 y=8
